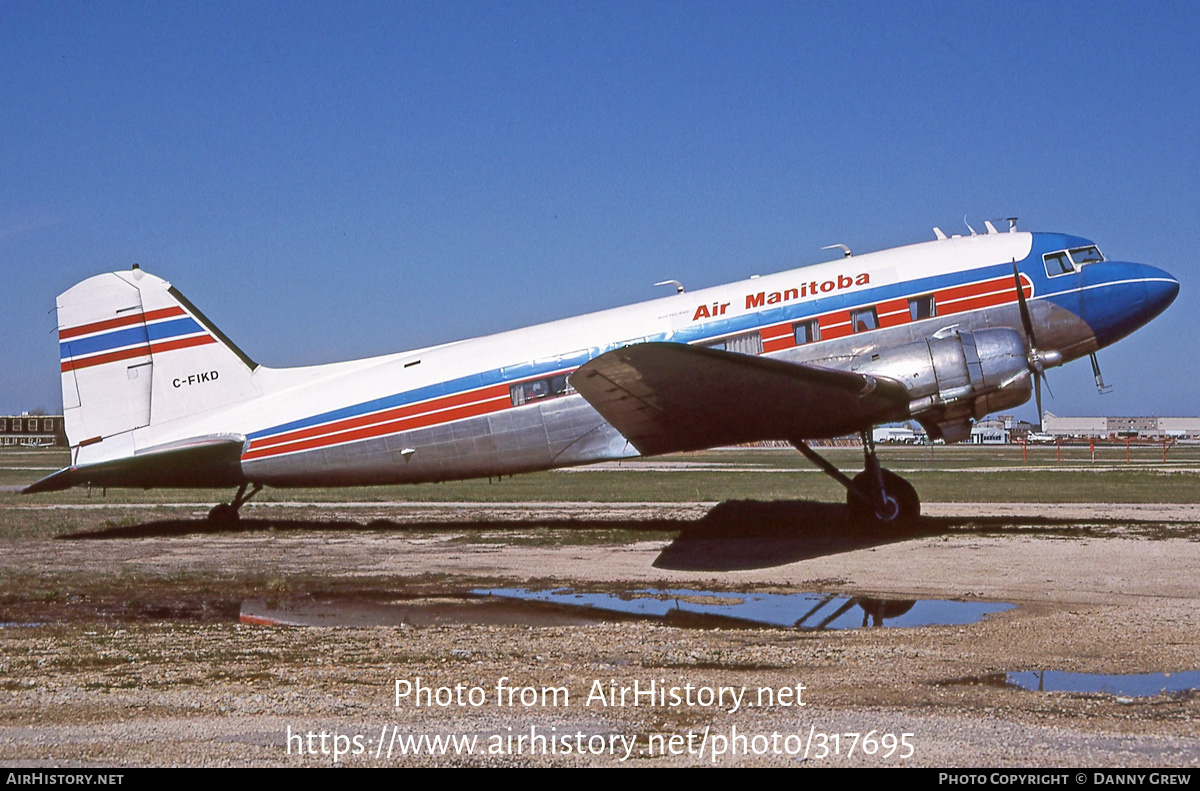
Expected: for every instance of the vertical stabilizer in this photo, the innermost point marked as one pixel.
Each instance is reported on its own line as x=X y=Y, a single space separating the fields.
x=134 y=352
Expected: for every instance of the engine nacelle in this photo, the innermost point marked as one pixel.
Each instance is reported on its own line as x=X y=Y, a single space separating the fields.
x=955 y=376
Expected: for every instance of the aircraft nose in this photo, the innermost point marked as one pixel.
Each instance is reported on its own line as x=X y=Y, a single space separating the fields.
x=1121 y=296
x=1161 y=290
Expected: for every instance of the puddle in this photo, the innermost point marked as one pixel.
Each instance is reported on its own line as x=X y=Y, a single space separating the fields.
x=1138 y=685
x=412 y=611
x=564 y=607
x=812 y=611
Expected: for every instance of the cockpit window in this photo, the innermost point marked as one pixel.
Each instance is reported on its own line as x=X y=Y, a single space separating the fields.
x=1086 y=255
x=1058 y=263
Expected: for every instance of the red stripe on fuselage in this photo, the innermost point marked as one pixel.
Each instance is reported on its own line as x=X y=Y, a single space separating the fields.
x=778 y=337
x=435 y=417
x=835 y=325
x=386 y=416
x=995 y=285
x=980 y=295
x=893 y=313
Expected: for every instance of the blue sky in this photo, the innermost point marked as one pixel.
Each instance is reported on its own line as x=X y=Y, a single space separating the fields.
x=336 y=180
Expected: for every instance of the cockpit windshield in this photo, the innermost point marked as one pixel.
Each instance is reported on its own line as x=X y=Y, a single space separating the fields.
x=1065 y=262
x=1086 y=255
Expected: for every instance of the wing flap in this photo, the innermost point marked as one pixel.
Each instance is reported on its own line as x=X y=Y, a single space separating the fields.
x=667 y=397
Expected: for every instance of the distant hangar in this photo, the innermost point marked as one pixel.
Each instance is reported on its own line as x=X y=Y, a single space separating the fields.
x=1122 y=427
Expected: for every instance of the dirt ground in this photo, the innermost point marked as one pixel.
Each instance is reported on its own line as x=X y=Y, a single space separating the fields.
x=122 y=646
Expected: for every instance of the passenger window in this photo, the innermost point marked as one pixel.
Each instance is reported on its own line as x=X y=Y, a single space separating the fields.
x=749 y=343
x=1058 y=264
x=923 y=307
x=807 y=331
x=536 y=390
x=864 y=320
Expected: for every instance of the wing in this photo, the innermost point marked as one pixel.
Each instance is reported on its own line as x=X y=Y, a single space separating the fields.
x=668 y=397
x=203 y=461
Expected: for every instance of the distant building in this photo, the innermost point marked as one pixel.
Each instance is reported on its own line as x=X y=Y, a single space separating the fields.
x=1122 y=427
x=894 y=434
x=992 y=431
x=1057 y=426
x=33 y=430
x=1181 y=427
x=1018 y=430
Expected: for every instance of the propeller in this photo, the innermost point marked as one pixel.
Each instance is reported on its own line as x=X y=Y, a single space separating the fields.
x=1037 y=361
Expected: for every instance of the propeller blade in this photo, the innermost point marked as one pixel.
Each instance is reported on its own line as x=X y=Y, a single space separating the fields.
x=1037 y=391
x=1026 y=321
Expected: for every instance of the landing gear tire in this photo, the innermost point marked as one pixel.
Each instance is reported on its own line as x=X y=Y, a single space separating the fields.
x=900 y=506
x=223 y=516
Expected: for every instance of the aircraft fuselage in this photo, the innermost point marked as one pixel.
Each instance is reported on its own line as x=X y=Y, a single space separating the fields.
x=505 y=404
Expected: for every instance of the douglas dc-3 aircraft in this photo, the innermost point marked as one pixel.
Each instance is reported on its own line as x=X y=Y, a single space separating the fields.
x=942 y=332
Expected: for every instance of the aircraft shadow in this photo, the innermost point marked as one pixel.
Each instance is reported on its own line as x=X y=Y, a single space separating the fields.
x=735 y=535
x=739 y=535
x=181 y=528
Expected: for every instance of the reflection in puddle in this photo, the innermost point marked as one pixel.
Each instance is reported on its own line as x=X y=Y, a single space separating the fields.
x=1138 y=685
x=563 y=607
x=792 y=610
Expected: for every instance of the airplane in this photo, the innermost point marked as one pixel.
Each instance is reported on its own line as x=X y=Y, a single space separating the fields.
x=943 y=332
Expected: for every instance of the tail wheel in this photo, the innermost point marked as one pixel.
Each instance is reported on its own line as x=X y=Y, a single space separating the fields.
x=898 y=507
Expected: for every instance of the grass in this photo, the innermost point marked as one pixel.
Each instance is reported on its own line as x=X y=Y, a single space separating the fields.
x=940 y=474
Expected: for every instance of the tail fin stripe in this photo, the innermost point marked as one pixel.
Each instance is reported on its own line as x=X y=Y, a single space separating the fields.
x=181 y=343
x=111 y=357
x=122 y=321
x=111 y=341
x=138 y=351
x=173 y=329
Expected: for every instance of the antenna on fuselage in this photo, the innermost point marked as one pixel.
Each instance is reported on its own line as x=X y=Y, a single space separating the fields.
x=990 y=228
x=938 y=233
x=1012 y=224
x=676 y=283
x=969 y=228
x=845 y=250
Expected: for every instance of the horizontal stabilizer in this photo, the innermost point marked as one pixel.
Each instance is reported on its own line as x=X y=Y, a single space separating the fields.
x=667 y=397
x=201 y=462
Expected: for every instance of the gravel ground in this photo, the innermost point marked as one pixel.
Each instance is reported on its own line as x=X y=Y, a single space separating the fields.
x=130 y=651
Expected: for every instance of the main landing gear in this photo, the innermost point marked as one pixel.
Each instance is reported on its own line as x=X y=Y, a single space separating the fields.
x=225 y=515
x=875 y=495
